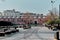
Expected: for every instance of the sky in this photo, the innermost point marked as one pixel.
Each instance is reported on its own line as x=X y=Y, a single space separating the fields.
x=35 y=6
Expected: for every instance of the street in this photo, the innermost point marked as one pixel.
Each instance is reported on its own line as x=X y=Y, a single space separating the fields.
x=35 y=33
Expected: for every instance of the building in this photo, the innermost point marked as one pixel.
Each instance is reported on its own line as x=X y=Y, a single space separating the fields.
x=59 y=11
x=16 y=16
x=11 y=13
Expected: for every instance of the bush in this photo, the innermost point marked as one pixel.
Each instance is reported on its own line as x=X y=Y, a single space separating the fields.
x=57 y=21
x=50 y=22
x=53 y=23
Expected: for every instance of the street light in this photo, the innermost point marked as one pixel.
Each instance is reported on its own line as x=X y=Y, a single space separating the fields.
x=57 y=33
x=52 y=2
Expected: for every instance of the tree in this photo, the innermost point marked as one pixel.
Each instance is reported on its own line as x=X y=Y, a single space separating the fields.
x=57 y=21
x=27 y=17
x=52 y=15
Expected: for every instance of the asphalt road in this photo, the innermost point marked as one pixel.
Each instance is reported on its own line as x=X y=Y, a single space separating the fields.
x=35 y=33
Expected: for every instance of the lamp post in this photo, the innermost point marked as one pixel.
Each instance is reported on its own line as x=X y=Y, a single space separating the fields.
x=57 y=33
x=52 y=4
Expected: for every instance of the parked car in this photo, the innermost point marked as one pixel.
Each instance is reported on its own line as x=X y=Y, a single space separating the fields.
x=48 y=26
x=53 y=27
x=21 y=26
x=25 y=26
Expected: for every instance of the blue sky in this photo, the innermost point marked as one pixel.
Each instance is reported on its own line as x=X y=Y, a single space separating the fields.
x=35 y=6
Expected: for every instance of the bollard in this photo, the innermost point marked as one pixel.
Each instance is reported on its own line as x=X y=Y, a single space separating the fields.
x=56 y=36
